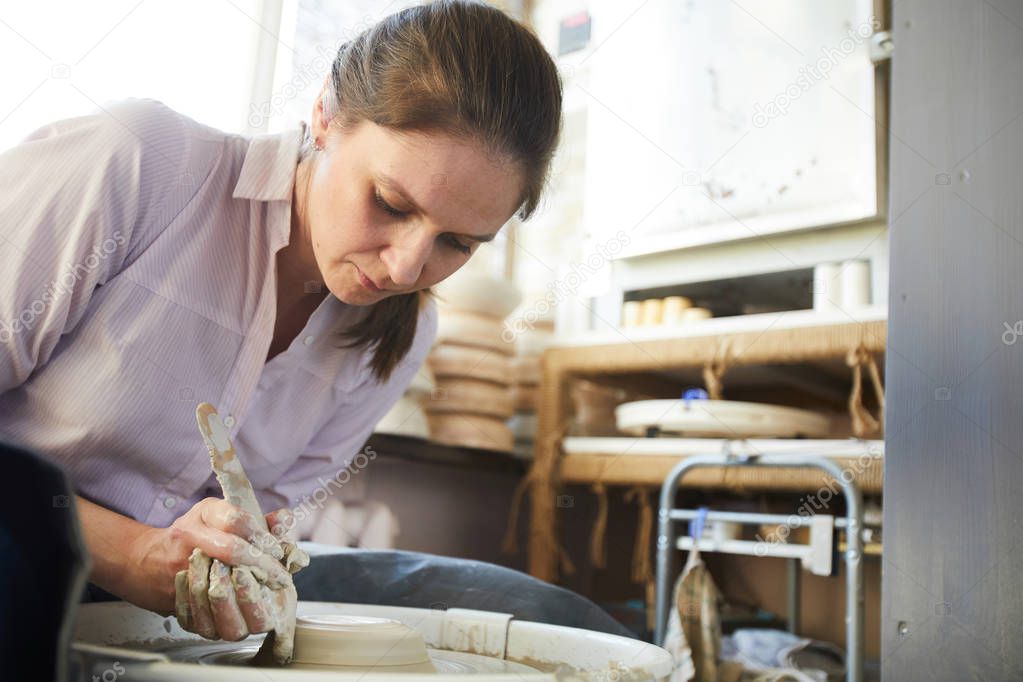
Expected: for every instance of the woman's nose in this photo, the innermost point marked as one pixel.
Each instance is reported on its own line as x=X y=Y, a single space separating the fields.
x=406 y=256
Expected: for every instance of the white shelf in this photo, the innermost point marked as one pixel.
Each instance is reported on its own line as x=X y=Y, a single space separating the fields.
x=789 y=319
x=685 y=447
x=749 y=228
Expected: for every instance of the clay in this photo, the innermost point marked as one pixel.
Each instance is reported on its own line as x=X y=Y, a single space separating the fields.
x=198 y=594
x=360 y=643
x=205 y=580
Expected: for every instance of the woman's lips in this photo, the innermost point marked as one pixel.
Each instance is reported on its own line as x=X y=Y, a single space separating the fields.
x=367 y=282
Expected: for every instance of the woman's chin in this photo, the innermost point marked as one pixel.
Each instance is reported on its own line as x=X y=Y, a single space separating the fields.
x=355 y=294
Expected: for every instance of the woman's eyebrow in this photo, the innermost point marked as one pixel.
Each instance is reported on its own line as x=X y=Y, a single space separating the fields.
x=390 y=184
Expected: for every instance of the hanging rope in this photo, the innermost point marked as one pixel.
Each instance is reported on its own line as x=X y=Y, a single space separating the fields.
x=863 y=422
x=642 y=568
x=509 y=544
x=598 y=553
x=715 y=369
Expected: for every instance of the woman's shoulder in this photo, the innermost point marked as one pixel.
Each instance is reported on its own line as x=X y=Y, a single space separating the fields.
x=160 y=155
x=428 y=313
x=155 y=129
x=426 y=327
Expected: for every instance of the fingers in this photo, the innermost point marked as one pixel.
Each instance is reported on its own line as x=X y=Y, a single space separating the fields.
x=231 y=549
x=252 y=601
x=295 y=559
x=238 y=579
x=236 y=604
x=227 y=616
x=181 y=605
x=286 y=602
x=283 y=527
x=198 y=597
x=224 y=516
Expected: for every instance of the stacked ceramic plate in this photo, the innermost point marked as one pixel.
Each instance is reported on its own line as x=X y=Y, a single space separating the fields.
x=471 y=363
x=532 y=336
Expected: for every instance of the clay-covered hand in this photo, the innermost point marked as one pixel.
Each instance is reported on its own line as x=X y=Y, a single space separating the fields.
x=218 y=601
x=222 y=531
x=232 y=600
x=214 y=535
x=283 y=526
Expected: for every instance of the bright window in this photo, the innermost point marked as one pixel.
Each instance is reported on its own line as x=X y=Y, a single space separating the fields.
x=65 y=58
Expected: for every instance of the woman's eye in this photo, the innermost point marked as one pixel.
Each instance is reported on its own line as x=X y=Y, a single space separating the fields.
x=384 y=205
x=455 y=244
x=448 y=239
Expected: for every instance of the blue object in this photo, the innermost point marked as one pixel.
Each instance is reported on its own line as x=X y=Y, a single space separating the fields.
x=694 y=394
x=697 y=524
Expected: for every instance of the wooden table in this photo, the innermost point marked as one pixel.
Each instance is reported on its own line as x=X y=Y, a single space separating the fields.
x=800 y=338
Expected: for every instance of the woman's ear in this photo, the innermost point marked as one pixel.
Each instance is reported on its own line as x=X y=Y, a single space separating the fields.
x=321 y=115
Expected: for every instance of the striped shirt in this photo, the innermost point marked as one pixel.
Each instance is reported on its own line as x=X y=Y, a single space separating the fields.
x=137 y=279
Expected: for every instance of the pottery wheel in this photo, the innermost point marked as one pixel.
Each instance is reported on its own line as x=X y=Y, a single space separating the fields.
x=352 y=644
x=445 y=662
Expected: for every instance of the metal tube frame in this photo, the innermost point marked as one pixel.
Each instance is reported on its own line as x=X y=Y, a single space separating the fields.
x=667 y=516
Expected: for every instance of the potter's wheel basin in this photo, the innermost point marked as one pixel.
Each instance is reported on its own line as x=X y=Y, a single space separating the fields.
x=119 y=636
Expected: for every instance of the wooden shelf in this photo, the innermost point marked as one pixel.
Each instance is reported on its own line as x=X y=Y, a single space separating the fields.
x=419 y=450
x=648 y=461
x=815 y=344
x=651 y=470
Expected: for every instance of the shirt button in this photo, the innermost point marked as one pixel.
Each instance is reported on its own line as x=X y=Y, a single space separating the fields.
x=309 y=340
x=169 y=502
x=229 y=421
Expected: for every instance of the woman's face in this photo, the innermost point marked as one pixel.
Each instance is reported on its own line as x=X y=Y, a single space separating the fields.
x=392 y=212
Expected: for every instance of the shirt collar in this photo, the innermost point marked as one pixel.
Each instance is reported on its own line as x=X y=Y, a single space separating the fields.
x=268 y=171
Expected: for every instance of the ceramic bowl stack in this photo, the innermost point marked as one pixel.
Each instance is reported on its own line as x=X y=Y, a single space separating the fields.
x=669 y=311
x=471 y=363
x=407 y=417
x=530 y=343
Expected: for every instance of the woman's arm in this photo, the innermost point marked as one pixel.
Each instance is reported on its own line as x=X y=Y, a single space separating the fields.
x=112 y=540
x=138 y=562
x=80 y=199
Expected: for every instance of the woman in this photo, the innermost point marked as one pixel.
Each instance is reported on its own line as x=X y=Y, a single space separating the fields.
x=150 y=263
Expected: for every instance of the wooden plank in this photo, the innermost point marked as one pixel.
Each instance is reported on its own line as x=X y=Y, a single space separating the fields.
x=952 y=596
x=769 y=346
x=651 y=470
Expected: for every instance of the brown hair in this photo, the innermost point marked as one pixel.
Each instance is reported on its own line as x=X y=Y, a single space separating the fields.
x=455 y=66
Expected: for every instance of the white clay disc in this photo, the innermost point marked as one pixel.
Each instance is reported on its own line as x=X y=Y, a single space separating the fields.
x=470 y=396
x=471 y=431
x=447 y=360
x=471 y=329
x=357 y=641
x=720 y=419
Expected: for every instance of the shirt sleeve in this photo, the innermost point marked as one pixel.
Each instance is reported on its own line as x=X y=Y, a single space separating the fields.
x=80 y=199
x=337 y=444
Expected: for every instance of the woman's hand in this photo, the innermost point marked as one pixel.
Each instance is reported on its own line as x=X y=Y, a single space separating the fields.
x=219 y=530
x=230 y=599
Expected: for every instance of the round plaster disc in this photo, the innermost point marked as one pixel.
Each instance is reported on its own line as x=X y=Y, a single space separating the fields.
x=720 y=419
x=335 y=639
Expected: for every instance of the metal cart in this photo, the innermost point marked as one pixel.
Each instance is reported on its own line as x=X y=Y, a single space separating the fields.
x=668 y=516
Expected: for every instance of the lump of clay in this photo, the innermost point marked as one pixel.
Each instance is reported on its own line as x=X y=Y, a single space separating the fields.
x=355 y=642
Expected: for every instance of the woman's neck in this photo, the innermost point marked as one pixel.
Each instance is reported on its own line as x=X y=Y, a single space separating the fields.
x=296 y=262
